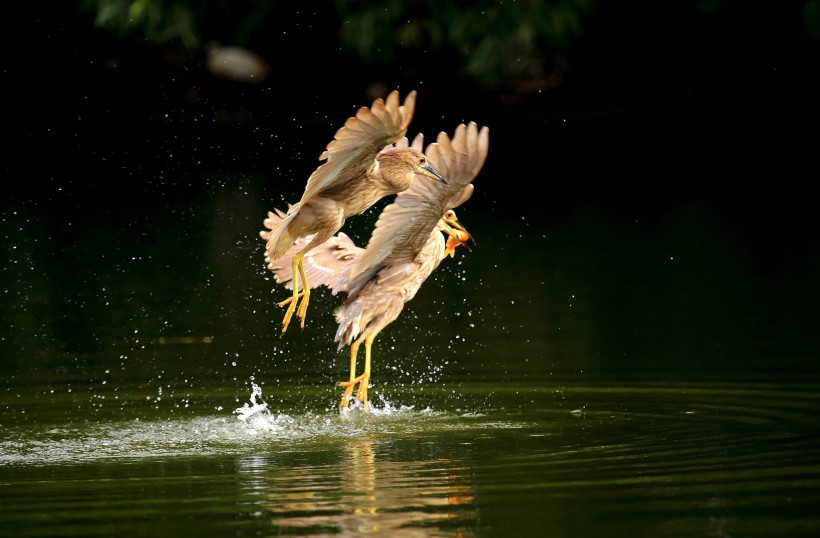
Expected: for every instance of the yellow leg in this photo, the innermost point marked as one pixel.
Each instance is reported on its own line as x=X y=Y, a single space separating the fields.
x=349 y=385
x=361 y=394
x=302 y=310
x=298 y=272
x=354 y=351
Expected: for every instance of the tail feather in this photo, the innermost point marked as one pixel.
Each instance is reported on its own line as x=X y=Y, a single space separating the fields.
x=348 y=316
x=277 y=236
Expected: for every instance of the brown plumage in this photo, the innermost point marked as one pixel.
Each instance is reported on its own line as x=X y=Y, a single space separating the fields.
x=405 y=248
x=361 y=167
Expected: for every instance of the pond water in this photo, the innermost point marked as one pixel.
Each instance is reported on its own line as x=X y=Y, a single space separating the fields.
x=592 y=374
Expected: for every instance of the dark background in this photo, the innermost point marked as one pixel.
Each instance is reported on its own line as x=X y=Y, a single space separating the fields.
x=647 y=128
x=649 y=104
x=638 y=319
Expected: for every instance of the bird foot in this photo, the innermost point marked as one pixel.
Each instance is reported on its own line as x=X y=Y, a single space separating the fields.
x=288 y=315
x=353 y=405
x=300 y=312
x=361 y=394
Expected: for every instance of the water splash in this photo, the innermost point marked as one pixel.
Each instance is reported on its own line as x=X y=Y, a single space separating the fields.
x=258 y=418
x=387 y=409
x=251 y=428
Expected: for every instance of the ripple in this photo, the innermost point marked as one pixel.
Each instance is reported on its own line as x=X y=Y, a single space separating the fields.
x=695 y=458
x=251 y=428
x=675 y=442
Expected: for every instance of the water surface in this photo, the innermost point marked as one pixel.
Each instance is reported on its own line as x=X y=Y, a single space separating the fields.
x=594 y=374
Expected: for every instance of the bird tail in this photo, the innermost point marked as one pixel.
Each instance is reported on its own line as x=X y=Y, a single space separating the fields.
x=277 y=236
x=349 y=318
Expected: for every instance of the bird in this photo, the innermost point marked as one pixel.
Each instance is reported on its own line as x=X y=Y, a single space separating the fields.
x=405 y=247
x=362 y=165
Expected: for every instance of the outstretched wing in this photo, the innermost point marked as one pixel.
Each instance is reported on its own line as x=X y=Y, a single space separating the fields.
x=326 y=265
x=356 y=144
x=404 y=226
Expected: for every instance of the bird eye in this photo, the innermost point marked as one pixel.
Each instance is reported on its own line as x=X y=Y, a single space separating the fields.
x=421 y=160
x=450 y=214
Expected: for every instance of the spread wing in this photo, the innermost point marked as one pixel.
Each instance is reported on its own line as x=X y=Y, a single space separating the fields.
x=405 y=225
x=355 y=145
x=325 y=265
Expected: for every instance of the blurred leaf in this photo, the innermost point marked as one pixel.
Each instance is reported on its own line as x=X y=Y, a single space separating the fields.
x=159 y=22
x=506 y=43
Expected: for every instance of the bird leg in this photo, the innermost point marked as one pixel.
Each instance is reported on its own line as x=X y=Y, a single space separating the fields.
x=361 y=394
x=349 y=385
x=363 y=380
x=298 y=269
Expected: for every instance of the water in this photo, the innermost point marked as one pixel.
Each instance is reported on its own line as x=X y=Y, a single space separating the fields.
x=707 y=459
x=609 y=381
x=630 y=350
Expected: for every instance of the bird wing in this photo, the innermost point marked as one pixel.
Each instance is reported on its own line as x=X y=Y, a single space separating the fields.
x=404 y=226
x=378 y=301
x=326 y=265
x=329 y=263
x=356 y=144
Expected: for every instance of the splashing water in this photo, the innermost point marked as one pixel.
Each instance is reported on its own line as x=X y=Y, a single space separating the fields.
x=259 y=407
x=254 y=427
x=258 y=418
x=387 y=409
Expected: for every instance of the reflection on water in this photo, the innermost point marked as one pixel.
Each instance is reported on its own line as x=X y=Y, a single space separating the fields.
x=300 y=474
x=362 y=493
x=701 y=459
x=633 y=378
x=358 y=491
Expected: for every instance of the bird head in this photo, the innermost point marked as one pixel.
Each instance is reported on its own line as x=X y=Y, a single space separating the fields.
x=457 y=234
x=397 y=167
x=423 y=167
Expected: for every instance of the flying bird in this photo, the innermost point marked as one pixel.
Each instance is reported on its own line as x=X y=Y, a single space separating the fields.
x=362 y=165
x=413 y=235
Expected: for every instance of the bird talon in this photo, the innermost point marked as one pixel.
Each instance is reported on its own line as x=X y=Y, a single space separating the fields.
x=291 y=303
x=288 y=315
x=302 y=310
x=289 y=300
x=348 y=394
x=361 y=394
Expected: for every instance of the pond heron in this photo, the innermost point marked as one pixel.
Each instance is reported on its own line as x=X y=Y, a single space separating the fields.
x=412 y=236
x=362 y=165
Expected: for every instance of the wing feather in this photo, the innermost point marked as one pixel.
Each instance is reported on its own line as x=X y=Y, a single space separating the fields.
x=404 y=226
x=326 y=265
x=356 y=144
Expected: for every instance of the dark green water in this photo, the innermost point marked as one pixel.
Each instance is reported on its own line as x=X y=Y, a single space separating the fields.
x=592 y=374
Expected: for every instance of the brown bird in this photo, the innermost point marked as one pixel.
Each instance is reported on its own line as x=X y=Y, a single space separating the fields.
x=405 y=248
x=362 y=165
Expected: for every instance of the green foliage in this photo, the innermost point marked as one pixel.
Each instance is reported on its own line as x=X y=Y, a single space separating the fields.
x=498 y=43
x=522 y=45
x=811 y=18
x=160 y=22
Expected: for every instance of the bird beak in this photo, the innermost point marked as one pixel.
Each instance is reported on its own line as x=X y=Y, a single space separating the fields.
x=459 y=232
x=458 y=236
x=427 y=170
